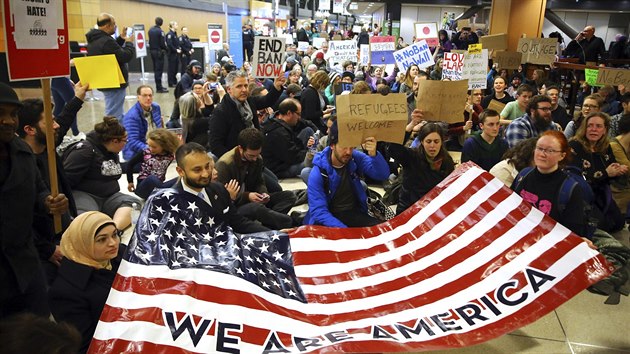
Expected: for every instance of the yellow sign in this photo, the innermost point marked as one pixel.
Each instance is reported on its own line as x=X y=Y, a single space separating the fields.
x=475 y=48
x=99 y=71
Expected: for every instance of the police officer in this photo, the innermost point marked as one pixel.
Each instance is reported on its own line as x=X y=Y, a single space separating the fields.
x=187 y=50
x=157 y=47
x=248 y=42
x=174 y=50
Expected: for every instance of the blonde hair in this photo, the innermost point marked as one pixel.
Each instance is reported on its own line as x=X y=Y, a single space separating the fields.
x=361 y=87
x=320 y=80
x=603 y=143
x=166 y=139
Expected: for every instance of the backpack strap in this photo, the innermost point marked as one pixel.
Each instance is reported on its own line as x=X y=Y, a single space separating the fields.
x=566 y=189
x=519 y=178
x=324 y=175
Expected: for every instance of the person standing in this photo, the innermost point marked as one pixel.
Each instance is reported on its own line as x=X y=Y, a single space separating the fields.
x=174 y=50
x=157 y=48
x=587 y=47
x=248 y=42
x=100 y=42
x=187 y=50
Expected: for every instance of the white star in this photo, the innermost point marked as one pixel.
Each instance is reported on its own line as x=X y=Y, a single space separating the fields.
x=275 y=283
x=224 y=263
x=192 y=206
x=239 y=271
x=194 y=237
x=261 y=271
x=164 y=248
x=192 y=261
x=146 y=256
x=291 y=293
x=249 y=241
x=159 y=209
x=172 y=219
x=167 y=194
x=259 y=260
x=155 y=222
x=207 y=236
x=178 y=249
x=176 y=264
x=198 y=222
x=210 y=221
x=181 y=236
x=151 y=237
x=268 y=261
x=235 y=246
x=264 y=248
x=248 y=247
x=278 y=255
x=281 y=270
x=286 y=281
x=251 y=271
x=193 y=247
x=238 y=258
x=248 y=258
x=275 y=237
x=222 y=253
x=175 y=208
x=183 y=223
x=265 y=285
x=226 y=210
x=221 y=243
x=168 y=234
x=219 y=233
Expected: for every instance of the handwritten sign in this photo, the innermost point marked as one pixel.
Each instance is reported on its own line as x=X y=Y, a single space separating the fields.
x=99 y=71
x=340 y=51
x=591 y=76
x=476 y=69
x=269 y=53
x=614 y=77
x=361 y=116
x=452 y=66
x=442 y=100
x=508 y=60
x=302 y=46
x=318 y=41
x=475 y=48
x=495 y=41
x=417 y=53
x=364 y=55
x=382 y=50
x=428 y=32
x=496 y=105
x=538 y=50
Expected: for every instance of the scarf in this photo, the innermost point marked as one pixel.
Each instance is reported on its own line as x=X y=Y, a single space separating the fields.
x=77 y=243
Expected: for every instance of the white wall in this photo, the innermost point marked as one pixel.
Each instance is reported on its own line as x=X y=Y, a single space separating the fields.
x=579 y=20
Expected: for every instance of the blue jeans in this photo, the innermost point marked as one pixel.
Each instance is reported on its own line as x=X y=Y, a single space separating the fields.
x=114 y=100
x=63 y=92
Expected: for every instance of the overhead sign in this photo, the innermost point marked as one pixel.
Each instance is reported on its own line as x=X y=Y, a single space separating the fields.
x=360 y=116
x=538 y=50
x=215 y=36
x=140 y=41
x=340 y=51
x=36 y=37
x=269 y=54
x=476 y=69
x=382 y=50
x=418 y=53
x=495 y=41
x=338 y=6
x=508 y=60
x=428 y=32
x=442 y=100
x=614 y=77
x=452 y=66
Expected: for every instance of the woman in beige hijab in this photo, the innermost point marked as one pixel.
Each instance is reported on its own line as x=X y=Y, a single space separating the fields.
x=90 y=247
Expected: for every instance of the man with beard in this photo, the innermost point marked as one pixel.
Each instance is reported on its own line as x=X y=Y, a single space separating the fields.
x=537 y=120
x=195 y=169
x=32 y=130
x=22 y=191
x=336 y=197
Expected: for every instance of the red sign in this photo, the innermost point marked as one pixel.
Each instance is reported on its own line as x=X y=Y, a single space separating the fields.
x=215 y=36
x=27 y=64
x=140 y=40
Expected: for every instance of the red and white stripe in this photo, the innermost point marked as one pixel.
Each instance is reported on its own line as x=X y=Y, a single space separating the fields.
x=466 y=238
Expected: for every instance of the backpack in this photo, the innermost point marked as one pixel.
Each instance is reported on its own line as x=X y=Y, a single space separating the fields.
x=573 y=180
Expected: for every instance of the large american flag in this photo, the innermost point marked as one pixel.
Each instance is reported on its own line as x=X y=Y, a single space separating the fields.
x=469 y=262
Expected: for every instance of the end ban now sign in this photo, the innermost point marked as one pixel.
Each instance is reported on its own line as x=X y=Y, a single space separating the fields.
x=269 y=53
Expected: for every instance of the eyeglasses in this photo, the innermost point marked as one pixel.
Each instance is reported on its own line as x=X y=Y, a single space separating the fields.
x=545 y=109
x=546 y=151
x=299 y=113
x=589 y=106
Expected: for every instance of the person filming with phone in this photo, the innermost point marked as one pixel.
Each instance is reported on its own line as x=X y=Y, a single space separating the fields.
x=587 y=47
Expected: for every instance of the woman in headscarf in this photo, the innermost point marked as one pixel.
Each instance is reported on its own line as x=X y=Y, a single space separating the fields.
x=90 y=247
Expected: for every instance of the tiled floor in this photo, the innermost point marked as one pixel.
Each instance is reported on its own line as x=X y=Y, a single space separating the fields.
x=582 y=325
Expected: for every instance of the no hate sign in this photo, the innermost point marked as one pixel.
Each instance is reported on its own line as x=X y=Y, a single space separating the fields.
x=269 y=55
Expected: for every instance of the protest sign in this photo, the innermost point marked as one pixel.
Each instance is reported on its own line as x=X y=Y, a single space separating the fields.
x=538 y=50
x=382 y=50
x=458 y=51
x=495 y=41
x=496 y=105
x=508 y=60
x=361 y=116
x=99 y=71
x=269 y=56
x=591 y=76
x=614 y=77
x=340 y=51
x=318 y=41
x=418 y=53
x=442 y=100
x=215 y=36
x=364 y=56
x=475 y=48
x=476 y=70
x=302 y=46
x=452 y=66
x=428 y=32
x=343 y=86
x=463 y=23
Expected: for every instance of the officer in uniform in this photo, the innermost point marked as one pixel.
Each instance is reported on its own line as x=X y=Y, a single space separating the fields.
x=157 y=47
x=174 y=50
x=187 y=50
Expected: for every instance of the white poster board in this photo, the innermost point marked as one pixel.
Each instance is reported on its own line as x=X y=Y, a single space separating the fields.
x=476 y=69
x=418 y=53
x=215 y=36
x=140 y=41
x=269 y=55
x=340 y=51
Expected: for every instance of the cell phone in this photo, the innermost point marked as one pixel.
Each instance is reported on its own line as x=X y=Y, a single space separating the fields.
x=266 y=197
x=129 y=31
x=213 y=85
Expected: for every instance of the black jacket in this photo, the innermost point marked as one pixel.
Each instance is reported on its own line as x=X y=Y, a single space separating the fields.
x=157 y=41
x=101 y=43
x=226 y=121
x=312 y=108
x=302 y=36
x=172 y=42
x=282 y=148
x=185 y=44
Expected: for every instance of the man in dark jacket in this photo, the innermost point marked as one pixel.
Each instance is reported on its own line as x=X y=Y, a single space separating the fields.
x=302 y=34
x=22 y=191
x=237 y=111
x=174 y=50
x=587 y=46
x=284 y=150
x=187 y=50
x=157 y=48
x=100 y=42
x=248 y=42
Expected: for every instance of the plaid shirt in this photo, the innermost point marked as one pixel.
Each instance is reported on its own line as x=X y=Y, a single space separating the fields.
x=523 y=128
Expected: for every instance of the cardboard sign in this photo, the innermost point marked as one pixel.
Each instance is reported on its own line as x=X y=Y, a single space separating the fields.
x=463 y=23
x=100 y=71
x=538 y=50
x=340 y=51
x=417 y=53
x=475 y=48
x=140 y=41
x=496 y=105
x=614 y=77
x=38 y=48
x=476 y=70
x=215 y=36
x=382 y=50
x=269 y=56
x=442 y=100
x=364 y=55
x=508 y=60
x=302 y=46
x=428 y=32
x=362 y=116
x=495 y=41
x=452 y=66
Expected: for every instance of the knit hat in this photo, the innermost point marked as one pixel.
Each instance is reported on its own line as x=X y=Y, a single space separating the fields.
x=332 y=76
x=347 y=74
x=8 y=95
x=319 y=55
